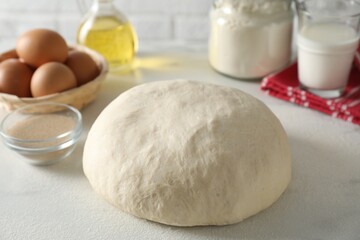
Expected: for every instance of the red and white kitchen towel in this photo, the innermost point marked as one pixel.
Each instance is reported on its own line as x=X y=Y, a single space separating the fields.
x=285 y=85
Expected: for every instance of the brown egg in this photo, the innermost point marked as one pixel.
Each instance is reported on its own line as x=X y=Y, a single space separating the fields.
x=8 y=54
x=15 y=77
x=40 y=46
x=83 y=66
x=52 y=77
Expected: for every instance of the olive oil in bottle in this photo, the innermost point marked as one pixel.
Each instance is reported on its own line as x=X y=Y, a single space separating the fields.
x=107 y=31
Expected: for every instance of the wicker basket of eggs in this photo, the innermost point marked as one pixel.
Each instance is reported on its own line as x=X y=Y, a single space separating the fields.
x=43 y=68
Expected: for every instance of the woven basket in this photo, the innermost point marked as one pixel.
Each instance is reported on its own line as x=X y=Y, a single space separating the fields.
x=77 y=97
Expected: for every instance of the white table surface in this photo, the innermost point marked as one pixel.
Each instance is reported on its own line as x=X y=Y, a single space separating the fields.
x=321 y=202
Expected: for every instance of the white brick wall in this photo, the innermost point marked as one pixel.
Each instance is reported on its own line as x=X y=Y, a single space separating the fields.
x=154 y=20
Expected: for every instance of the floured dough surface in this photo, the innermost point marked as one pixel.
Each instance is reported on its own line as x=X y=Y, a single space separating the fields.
x=186 y=153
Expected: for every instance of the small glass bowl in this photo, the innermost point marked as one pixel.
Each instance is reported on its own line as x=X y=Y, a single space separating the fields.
x=43 y=133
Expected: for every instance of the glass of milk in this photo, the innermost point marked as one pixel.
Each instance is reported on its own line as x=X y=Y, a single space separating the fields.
x=327 y=38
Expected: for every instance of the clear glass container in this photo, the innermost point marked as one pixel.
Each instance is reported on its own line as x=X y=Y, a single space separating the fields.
x=327 y=39
x=106 y=30
x=250 y=38
x=43 y=133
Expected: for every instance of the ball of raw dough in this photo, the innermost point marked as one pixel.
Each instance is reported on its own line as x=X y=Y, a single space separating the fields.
x=186 y=153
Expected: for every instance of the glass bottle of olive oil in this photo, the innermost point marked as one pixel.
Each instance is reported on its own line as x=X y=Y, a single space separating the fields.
x=107 y=31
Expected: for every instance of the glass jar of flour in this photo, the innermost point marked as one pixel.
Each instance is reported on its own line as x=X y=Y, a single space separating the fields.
x=250 y=38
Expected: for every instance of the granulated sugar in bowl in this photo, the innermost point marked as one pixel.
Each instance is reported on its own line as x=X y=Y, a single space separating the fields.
x=42 y=133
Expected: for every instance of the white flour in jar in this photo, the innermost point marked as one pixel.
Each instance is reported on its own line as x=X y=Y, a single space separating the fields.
x=250 y=39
